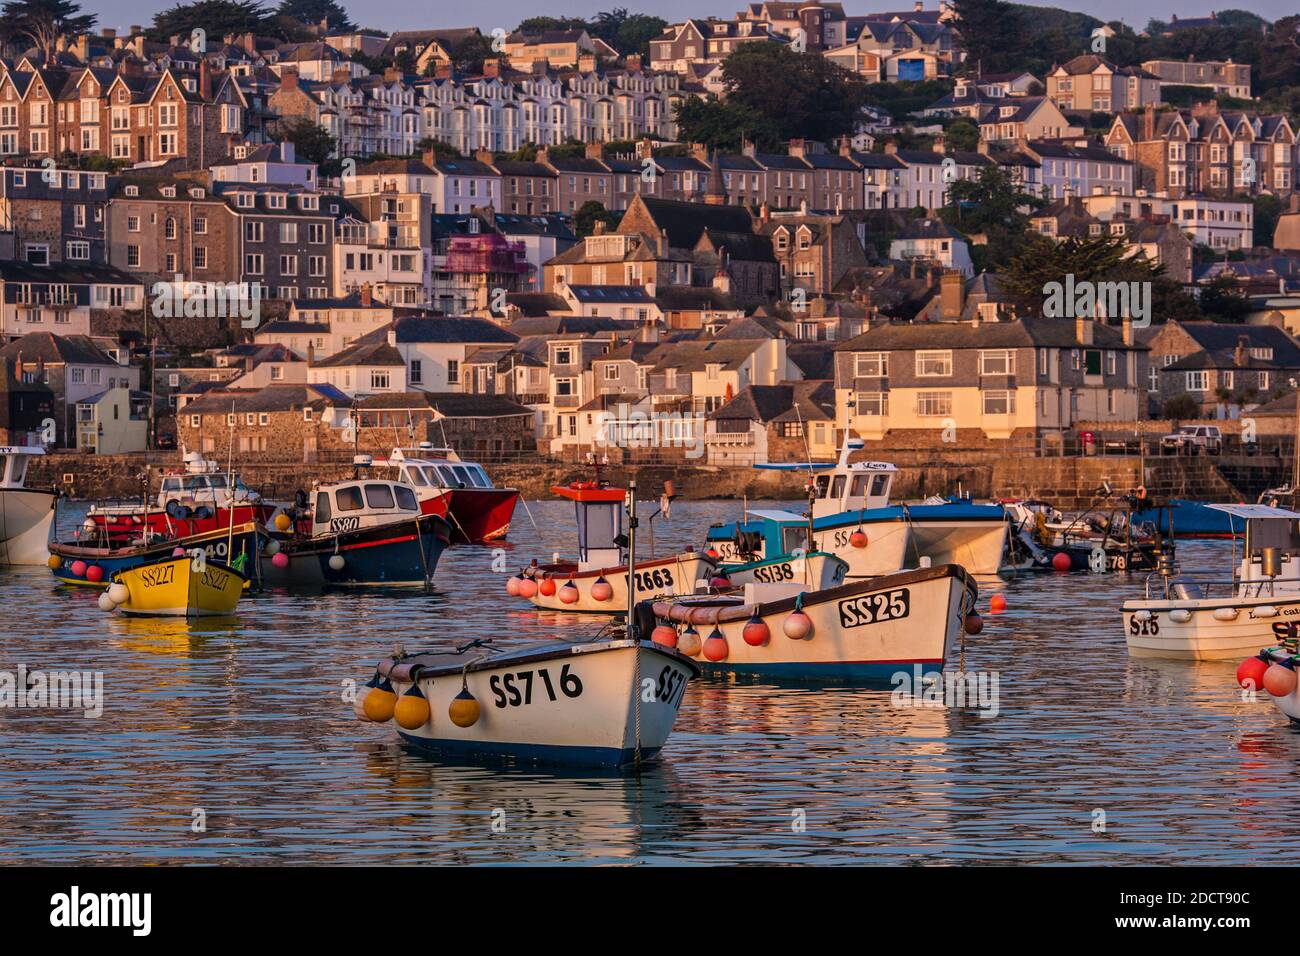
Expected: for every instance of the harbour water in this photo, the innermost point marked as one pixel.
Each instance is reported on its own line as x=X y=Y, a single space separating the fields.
x=229 y=742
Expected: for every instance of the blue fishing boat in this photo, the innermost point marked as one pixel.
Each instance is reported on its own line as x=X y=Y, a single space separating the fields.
x=363 y=532
x=1191 y=519
x=90 y=562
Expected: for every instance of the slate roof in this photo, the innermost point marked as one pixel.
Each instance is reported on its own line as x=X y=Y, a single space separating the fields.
x=57 y=350
x=450 y=404
x=449 y=329
x=1022 y=333
x=362 y=352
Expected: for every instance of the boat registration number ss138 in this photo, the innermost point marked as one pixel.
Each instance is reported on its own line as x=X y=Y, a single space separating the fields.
x=875 y=608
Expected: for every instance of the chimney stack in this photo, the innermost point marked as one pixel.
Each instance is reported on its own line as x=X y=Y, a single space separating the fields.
x=289 y=80
x=366 y=298
x=952 y=296
x=492 y=67
x=632 y=62
x=594 y=151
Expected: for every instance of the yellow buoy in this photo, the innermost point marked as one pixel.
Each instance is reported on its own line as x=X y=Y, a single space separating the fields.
x=54 y=562
x=464 y=709
x=381 y=702
x=282 y=522
x=412 y=710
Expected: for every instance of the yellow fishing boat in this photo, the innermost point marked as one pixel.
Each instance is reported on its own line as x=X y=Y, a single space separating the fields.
x=180 y=587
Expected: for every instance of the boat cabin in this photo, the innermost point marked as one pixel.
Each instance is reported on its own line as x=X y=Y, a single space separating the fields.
x=764 y=533
x=429 y=467
x=202 y=483
x=845 y=486
x=13 y=464
x=599 y=511
x=341 y=506
x=1272 y=543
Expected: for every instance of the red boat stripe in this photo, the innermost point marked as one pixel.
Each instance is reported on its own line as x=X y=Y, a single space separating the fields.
x=374 y=544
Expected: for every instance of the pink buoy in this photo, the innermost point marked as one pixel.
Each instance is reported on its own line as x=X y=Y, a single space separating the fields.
x=720 y=582
x=280 y=560
x=601 y=590
x=1279 y=681
x=689 y=643
x=78 y=568
x=569 y=593
x=527 y=587
x=94 y=574
x=512 y=586
x=797 y=626
x=178 y=552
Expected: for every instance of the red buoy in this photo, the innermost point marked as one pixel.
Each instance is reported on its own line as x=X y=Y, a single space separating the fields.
x=78 y=568
x=547 y=587
x=1250 y=673
x=858 y=539
x=94 y=574
x=720 y=582
x=664 y=634
x=997 y=603
x=756 y=632
x=1061 y=561
x=974 y=623
x=715 y=646
x=1279 y=681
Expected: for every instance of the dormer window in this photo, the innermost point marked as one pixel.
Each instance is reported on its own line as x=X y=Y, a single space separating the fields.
x=169 y=191
x=244 y=200
x=198 y=192
x=276 y=201
x=131 y=191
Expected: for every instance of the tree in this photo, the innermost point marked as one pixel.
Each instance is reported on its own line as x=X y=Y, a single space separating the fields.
x=994 y=205
x=1181 y=407
x=217 y=17
x=725 y=125
x=1222 y=300
x=592 y=212
x=1028 y=276
x=312 y=12
x=43 y=22
x=468 y=55
x=962 y=134
x=1267 y=210
x=991 y=33
x=310 y=142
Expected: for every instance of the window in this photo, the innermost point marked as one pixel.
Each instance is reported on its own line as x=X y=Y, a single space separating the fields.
x=1092 y=361
x=379 y=378
x=997 y=362
x=379 y=496
x=933 y=364
x=200 y=225
x=133 y=256
x=348 y=499
x=933 y=404
x=1196 y=381
x=999 y=402
x=289 y=232
x=200 y=257
x=792 y=429
x=78 y=249
x=453 y=372
x=253 y=231
x=873 y=403
x=417 y=372
x=253 y=264
x=870 y=364
x=1153 y=379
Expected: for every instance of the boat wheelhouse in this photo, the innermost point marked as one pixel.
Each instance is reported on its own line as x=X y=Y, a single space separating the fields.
x=460 y=490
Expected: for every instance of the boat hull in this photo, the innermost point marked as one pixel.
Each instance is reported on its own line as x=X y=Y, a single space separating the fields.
x=220 y=547
x=124 y=522
x=978 y=545
x=1289 y=704
x=27 y=518
x=479 y=515
x=1192 y=519
x=400 y=553
x=816 y=571
x=864 y=631
x=1259 y=622
x=574 y=705
x=671 y=576
x=175 y=588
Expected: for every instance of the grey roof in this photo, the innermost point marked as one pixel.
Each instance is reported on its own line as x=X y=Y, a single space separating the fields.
x=414 y=328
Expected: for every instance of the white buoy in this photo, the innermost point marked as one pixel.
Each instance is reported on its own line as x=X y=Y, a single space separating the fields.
x=273 y=547
x=1143 y=615
x=337 y=562
x=118 y=593
x=1264 y=610
x=1180 y=615
x=106 y=603
x=1225 y=613
x=88 y=526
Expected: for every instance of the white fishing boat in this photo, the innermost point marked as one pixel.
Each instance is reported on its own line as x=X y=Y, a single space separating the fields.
x=26 y=515
x=863 y=631
x=598 y=581
x=610 y=702
x=852 y=517
x=1201 y=618
x=813 y=571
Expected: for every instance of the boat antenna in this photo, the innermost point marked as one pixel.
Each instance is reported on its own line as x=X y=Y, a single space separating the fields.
x=631 y=558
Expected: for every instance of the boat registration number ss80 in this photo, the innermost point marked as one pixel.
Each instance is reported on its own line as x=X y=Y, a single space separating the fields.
x=875 y=608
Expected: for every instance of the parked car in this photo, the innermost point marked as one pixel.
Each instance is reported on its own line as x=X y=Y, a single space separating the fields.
x=1192 y=439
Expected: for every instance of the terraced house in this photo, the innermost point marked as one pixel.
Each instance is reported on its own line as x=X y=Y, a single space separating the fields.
x=1028 y=378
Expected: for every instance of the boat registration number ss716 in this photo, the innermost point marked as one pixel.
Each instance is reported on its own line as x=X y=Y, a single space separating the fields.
x=875 y=608
x=517 y=689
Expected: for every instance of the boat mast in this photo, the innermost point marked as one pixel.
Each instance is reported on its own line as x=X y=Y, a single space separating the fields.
x=631 y=558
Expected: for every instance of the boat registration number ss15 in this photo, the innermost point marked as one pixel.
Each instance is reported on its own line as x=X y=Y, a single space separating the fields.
x=875 y=608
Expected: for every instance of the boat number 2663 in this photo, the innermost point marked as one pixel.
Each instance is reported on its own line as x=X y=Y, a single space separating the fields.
x=516 y=690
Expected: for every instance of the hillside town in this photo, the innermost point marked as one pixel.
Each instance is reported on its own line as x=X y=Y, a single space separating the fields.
x=729 y=240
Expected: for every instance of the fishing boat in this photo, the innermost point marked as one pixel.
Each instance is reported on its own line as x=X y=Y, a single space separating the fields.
x=182 y=586
x=853 y=518
x=459 y=490
x=200 y=497
x=1200 y=618
x=1098 y=540
x=814 y=571
x=597 y=582
x=26 y=515
x=363 y=531
x=610 y=702
x=91 y=563
x=863 y=631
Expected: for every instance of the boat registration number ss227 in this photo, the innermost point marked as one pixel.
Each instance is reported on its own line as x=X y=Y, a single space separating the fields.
x=874 y=608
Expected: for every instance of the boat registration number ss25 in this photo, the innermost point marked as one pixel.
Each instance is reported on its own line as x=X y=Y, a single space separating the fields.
x=875 y=608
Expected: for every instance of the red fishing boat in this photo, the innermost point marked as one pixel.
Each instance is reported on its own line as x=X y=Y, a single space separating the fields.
x=458 y=490
x=193 y=500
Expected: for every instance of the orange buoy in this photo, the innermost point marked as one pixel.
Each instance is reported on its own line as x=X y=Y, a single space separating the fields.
x=380 y=702
x=464 y=708
x=527 y=587
x=858 y=539
x=689 y=643
x=715 y=646
x=756 y=632
x=1250 y=673
x=797 y=626
x=412 y=708
x=569 y=593
x=601 y=590
x=1280 y=680
x=664 y=634
x=997 y=603
x=547 y=587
